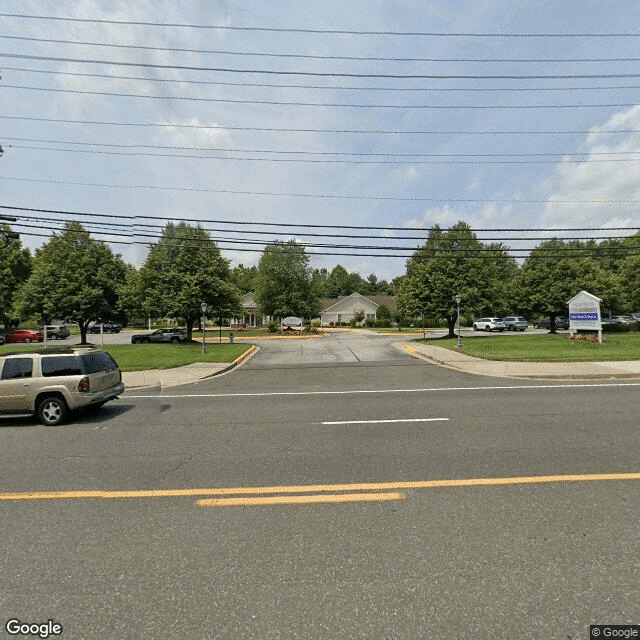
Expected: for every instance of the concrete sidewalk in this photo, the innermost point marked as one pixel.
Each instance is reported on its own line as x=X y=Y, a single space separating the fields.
x=546 y=370
x=160 y=378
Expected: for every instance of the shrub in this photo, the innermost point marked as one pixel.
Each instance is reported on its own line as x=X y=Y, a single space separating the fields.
x=383 y=313
x=619 y=328
x=383 y=323
x=369 y=322
x=353 y=322
x=273 y=326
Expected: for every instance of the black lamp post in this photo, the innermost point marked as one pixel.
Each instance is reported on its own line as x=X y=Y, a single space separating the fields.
x=459 y=341
x=203 y=307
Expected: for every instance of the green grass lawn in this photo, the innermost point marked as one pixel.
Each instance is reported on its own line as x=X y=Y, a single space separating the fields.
x=546 y=347
x=140 y=357
x=398 y=330
x=214 y=334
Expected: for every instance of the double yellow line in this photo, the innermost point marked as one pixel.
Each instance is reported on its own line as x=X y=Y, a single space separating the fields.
x=306 y=494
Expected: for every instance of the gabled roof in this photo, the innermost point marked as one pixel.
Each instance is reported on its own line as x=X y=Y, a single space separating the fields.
x=248 y=301
x=584 y=294
x=377 y=301
x=341 y=299
x=387 y=301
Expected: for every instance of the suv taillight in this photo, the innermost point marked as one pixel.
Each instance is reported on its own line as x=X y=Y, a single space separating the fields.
x=84 y=385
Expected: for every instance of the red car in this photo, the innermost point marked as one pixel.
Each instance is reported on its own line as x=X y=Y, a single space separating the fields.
x=24 y=335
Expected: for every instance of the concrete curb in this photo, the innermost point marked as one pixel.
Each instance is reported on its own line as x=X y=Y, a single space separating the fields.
x=191 y=379
x=237 y=362
x=494 y=368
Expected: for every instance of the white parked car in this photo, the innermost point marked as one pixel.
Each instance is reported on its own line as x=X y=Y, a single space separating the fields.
x=489 y=324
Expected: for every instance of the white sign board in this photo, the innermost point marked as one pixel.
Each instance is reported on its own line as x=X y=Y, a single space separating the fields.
x=584 y=313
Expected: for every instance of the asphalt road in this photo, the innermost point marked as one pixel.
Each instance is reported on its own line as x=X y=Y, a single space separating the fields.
x=340 y=421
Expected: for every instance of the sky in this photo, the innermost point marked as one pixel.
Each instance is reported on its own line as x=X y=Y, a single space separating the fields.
x=385 y=117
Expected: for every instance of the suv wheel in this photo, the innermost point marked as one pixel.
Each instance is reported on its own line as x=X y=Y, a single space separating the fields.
x=512 y=327
x=475 y=328
x=487 y=327
x=175 y=340
x=52 y=410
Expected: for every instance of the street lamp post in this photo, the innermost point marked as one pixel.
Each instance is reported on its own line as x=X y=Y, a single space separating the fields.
x=204 y=306
x=459 y=341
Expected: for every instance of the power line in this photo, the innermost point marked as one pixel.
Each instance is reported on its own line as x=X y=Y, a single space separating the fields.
x=325 y=153
x=322 y=31
x=321 y=195
x=320 y=87
x=323 y=74
x=315 y=160
x=135 y=239
x=133 y=229
x=215 y=127
x=292 y=103
x=302 y=56
x=571 y=252
x=300 y=225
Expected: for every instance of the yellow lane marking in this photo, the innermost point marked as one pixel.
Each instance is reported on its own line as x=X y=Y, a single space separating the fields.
x=322 y=498
x=313 y=488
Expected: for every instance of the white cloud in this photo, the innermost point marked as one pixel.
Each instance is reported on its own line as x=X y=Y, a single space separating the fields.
x=407 y=174
x=605 y=181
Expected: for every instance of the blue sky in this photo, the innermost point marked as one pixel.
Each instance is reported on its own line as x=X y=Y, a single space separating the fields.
x=521 y=153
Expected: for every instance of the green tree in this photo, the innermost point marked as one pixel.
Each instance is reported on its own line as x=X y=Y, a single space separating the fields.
x=453 y=262
x=377 y=287
x=338 y=282
x=383 y=312
x=244 y=278
x=555 y=271
x=283 y=286
x=74 y=278
x=630 y=281
x=319 y=279
x=183 y=269
x=15 y=267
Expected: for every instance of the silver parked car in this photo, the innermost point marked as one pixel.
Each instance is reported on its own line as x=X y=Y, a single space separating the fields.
x=515 y=323
x=52 y=383
x=489 y=324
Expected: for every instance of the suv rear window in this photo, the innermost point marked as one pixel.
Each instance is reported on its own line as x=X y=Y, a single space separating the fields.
x=17 y=368
x=99 y=361
x=60 y=366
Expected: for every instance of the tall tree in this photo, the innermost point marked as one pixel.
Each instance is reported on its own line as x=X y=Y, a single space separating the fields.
x=319 y=278
x=244 y=278
x=555 y=271
x=183 y=269
x=15 y=267
x=283 y=286
x=453 y=262
x=338 y=282
x=74 y=278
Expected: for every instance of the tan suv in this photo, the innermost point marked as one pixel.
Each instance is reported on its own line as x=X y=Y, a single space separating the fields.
x=54 y=382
